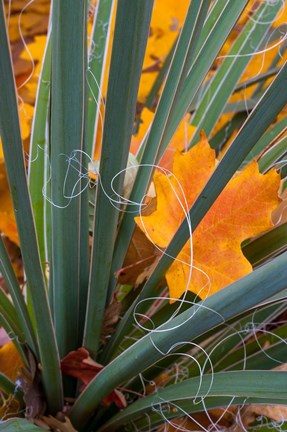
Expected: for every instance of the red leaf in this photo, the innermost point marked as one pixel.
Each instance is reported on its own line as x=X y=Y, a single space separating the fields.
x=79 y=364
x=75 y=364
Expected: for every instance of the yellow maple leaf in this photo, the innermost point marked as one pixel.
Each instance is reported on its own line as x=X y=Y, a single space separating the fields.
x=242 y=210
x=7 y=217
x=179 y=141
x=10 y=361
x=36 y=49
x=167 y=19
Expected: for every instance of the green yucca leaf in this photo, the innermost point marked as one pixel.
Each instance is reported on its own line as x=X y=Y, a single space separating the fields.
x=273 y=157
x=243 y=386
x=19 y=425
x=225 y=17
x=222 y=85
x=130 y=37
x=39 y=152
x=270 y=135
x=66 y=145
x=12 y=284
x=270 y=244
x=225 y=304
x=214 y=340
x=9 y=388
x=271 y=103
x=96 y=64
x=13 y=153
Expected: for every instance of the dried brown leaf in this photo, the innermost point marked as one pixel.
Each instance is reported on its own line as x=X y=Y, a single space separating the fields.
x=30 y=383
x=58 y=424
x=112 y=316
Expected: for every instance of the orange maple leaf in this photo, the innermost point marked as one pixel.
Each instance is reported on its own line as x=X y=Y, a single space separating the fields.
x=180 y=139
x=10 y=361
x=242 y=210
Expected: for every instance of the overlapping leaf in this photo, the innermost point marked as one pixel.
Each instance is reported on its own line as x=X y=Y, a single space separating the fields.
x=10 y=361
x=80 y=365
x=214 y=258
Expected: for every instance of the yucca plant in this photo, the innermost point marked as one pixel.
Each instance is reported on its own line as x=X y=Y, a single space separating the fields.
x=169 y=364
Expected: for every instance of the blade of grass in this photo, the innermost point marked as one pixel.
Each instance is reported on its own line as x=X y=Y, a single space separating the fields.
x=9 y=314
x=226 y=337
x=14 y=159
x=184 y=52
x=270 y=73
x=266 y=246
x=151 y=98
x=130 y=37
x=223 y=135
x=183 y=410
x=267 y=426
x=236 y=107
x=97 y=61
x=19 y=425
x=15 y=334
x=275 y=131
x=84 y=271
x=228 y=74
x=273 y=156
x=66 y=140
x=283 y=171
x=38 y=151
x=215 y=310
x=241 y=385
x=241 y=337
x=224 y=19
x=213 y=15
x=12 y=284
x=8 y=387
x=278 y=57
x=266 y=352
x=271 y=103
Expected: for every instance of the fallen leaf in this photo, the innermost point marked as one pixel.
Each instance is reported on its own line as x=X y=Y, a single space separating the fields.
x=14 y=253
x=30 y=383
x=36 y=49
x=9 y=408
x=242 y=210
x=198 y=422
x=145 y=274
x=280 y=214
x=75 y=364
x=79 y=364
x=33 y=19
x=112 y=315
x=128 y=275
x=10 y=361
x=179 y=141
x=141 y=254
x=248 y=414
x=278 y=413
x=56 y=424
x=7 y=217
x=166 y=21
